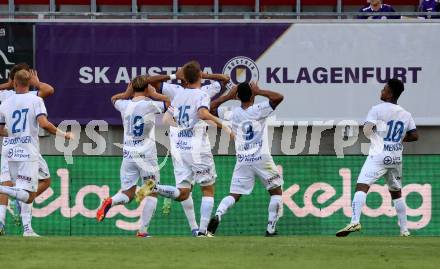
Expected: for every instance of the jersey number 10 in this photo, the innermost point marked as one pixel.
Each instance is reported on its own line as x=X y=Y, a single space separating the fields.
x=395 y=131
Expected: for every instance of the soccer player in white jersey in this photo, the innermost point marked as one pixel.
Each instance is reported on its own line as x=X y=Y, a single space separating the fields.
x=23 y=210
x=20 y=116
x=192 y=157
x=387 y=126
x=252 y=151
x=139 y=150
x=214 y=89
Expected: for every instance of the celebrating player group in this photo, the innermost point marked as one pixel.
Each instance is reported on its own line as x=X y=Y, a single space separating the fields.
x=188 y=109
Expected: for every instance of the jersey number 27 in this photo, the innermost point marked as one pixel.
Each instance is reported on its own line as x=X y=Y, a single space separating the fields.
x=19 y=116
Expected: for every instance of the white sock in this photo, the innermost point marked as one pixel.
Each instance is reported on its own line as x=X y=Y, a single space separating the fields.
x=13 y=192
x=400 y=206
x=188 y=208
x=168 y=191
x=3 y=214
x=26 y=216
x=275 y=203
x=120 y=199
x=205 y=212
x=224 y=205
x=358 y=202
x=147 y=213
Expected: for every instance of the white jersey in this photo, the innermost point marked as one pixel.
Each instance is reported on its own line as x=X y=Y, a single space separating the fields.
x=190 y=135
x=392 y=123
x=171 y=90
x=138 y=118
x=5 y=94
x=20 y=112
x=250 y=129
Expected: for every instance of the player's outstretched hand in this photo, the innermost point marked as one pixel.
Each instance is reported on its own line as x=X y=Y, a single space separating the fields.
x=35 y=81
x=179 y=74
x=232 y=94
x=69 y=136
x=129 y=89
x=254 y=87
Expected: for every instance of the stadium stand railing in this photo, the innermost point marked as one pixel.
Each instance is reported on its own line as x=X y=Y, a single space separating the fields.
x=210 y=9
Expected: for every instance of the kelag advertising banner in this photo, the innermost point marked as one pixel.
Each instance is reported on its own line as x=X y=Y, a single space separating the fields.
x=326 y=71
x=16 y=46
x=317 y=199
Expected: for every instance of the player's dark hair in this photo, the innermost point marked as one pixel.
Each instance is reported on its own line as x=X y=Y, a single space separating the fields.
x=244 y=92
x=191 y=72
x=139 y=84
x=18 y=67
x=396 y=87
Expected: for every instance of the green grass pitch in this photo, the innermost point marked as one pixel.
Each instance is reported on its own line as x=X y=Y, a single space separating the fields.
x=220 y=252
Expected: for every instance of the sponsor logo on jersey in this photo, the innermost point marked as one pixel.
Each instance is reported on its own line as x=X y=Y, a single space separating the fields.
x=203 y=172
x=25 y=178
x=388 y=160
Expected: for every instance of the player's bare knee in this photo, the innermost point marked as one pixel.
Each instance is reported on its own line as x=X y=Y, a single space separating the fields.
x=31 y=198
x=395 y=194
x=208 y=190
x=43 y=185
x=236 y=196
x=276 y=191
x=362 y=187
x=184 y=194
x=130 y=193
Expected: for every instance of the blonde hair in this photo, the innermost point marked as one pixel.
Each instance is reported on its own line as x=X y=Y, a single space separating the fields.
x=139 y=83
x=22 y=78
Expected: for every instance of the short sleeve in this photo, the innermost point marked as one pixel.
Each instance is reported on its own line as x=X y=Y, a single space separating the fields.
x=34 y=92
x=262 y=110
x=372 y=116
x=120 y=105
x=212 y=89
x=157 y=107
x=169 y=90
x=2 y=116
x=203 y=101
x=40 y=108
x=225 y=113
x=411 y=125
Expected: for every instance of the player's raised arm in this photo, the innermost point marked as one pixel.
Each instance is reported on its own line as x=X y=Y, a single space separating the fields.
x=153 y=94
x=44 y=89
x=223 y=79
x=274 y=98
x=7 y=85
x=156 y=80
x=123 y=95
x=231 y=95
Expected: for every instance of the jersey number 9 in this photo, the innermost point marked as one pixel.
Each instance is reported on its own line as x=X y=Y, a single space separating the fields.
x=135 y=125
